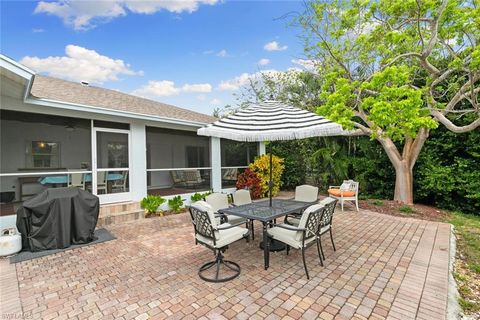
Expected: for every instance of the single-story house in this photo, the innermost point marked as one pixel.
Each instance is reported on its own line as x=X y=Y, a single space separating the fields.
x=57 y=133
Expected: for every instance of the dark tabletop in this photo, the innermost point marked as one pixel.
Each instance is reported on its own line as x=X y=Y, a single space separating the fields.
x=261 y=210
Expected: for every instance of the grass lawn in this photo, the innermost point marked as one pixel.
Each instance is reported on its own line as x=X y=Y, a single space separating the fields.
x=467 y=264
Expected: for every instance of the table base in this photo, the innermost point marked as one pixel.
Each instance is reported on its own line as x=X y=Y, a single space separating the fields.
x=274 y=246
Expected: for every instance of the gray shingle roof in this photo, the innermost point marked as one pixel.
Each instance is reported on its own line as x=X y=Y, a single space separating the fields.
x=67 y=91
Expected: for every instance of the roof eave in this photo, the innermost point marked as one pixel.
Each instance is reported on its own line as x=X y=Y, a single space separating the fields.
x=106 y=111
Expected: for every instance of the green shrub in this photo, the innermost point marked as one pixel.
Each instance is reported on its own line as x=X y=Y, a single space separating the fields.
x=175 y=204
x=197 y=196
x=151 y=203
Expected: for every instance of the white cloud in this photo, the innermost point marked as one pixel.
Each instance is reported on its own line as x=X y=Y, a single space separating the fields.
x=263 y=62
x=274 y=46
x=166 y=88
x=307 y=64
x=83 y=15
x=222 y=53
x=81 y=64
x=162 y=88
x=243 y=79
x=200 y=87
x=216 y=102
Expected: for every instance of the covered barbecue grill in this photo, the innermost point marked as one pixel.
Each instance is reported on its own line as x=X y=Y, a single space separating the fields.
x=58 y=218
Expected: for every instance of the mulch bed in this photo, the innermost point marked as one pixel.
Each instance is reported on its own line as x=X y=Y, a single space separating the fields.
x=420 y=211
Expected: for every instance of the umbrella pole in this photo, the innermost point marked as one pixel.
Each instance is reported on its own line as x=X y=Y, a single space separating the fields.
x=270 y=183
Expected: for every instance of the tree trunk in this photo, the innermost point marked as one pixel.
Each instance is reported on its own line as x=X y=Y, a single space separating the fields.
x=404 y=163
x=404 y=183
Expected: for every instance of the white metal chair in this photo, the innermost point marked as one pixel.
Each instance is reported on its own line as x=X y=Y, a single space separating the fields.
x=102 y=181
x=348 y=191
x=76 y=180
x=216 y=237
x=302 y=236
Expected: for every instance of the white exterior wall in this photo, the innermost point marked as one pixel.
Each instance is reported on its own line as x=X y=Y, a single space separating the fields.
x=138 y=161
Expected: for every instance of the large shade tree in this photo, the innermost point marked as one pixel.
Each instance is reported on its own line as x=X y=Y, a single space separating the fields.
x=395 y=69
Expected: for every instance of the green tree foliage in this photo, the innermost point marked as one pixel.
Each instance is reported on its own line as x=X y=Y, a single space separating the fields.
x=394 y=69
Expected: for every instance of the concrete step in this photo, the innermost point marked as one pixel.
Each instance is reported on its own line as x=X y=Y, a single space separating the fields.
x=120 y=217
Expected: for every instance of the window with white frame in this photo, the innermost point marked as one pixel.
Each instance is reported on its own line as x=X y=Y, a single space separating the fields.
x=43 y=154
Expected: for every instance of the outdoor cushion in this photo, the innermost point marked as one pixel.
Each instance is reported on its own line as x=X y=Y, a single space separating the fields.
x=303 y=220
x=224 y=237
x=345 y=186
x=288 y=237
x=235 y=219
x=217 y=201
x=241 y=197
x=306 y=193
x=338 y=193
x=204 y=206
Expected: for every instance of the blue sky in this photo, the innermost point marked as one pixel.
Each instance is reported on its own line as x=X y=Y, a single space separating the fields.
x=192 y=53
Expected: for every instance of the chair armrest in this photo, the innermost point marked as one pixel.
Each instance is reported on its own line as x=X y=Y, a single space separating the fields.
x=334 y=187
x=288 y=227
x=230 y=226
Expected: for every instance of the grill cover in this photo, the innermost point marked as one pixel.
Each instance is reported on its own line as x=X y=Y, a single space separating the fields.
x=58 y=218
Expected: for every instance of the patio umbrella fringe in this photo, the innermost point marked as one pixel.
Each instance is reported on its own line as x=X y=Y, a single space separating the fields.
x=274 y=135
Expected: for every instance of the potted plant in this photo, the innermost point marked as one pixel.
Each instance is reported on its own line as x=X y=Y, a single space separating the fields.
x=150 y=204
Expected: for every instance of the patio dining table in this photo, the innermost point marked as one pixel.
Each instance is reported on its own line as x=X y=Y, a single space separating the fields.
x=262 y=211
x=63 y=179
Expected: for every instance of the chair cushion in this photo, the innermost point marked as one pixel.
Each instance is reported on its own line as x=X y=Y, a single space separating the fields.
x=235 y=219
x=306 y=193
x=217 y=200
x=288 y=237
x=303 y=219
x=204 y=206
x=338 y=193
x=324 y=229
x=224 y=237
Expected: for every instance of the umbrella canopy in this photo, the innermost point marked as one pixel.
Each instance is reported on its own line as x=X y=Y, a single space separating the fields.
x=271 y=121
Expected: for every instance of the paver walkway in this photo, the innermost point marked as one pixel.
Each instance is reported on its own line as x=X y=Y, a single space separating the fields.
x=384 y=267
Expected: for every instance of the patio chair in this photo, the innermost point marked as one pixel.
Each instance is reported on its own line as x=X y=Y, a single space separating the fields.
x=305 y=193
x=76 y=180
x=193 y=178
x=326 y=221
x=102 y=181
x=302 y=236
x=241 y=197
x=348 y=191
x=177 y=178
x=230 y=175
x=220 y=201
x=217 y=238
x=121 y=184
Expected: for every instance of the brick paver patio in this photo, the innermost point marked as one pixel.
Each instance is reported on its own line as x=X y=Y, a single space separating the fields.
x=384 y=267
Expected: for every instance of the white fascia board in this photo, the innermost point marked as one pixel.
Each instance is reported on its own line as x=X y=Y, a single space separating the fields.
x=15 y=67
x=111 y=112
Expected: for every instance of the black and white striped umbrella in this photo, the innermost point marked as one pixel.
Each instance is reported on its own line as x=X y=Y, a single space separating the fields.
x=271 y=121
